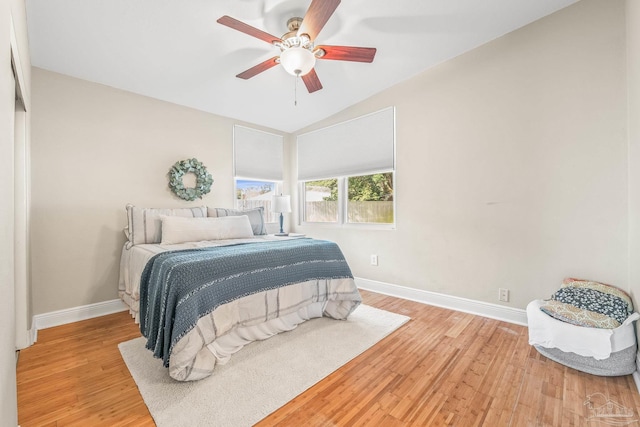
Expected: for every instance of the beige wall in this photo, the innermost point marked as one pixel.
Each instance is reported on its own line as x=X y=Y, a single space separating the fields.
x=95 y=149
x=511 y=165
x=10 y=11
x=633 y=81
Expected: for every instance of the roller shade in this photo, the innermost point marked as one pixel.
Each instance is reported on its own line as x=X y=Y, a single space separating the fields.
x=257 y=154
x=357 y=147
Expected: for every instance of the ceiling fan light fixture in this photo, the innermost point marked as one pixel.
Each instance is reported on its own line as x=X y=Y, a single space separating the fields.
x=297 y=61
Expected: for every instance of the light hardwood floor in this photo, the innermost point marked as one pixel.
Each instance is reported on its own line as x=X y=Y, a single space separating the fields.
x=441 y=368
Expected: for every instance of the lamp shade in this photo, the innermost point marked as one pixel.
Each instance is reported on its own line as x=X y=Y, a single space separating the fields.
x=297 y=61
x=281 y=204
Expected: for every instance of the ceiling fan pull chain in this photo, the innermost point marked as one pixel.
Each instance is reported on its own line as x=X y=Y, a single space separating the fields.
x=295 y=90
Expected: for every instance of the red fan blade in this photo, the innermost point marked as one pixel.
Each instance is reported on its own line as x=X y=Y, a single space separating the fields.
x=247 y=29
x=318 y=14
x=348 y=53
x=311 y=81
x=263 y=66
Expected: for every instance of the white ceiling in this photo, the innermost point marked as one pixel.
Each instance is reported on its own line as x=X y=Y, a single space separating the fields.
x=175 y=51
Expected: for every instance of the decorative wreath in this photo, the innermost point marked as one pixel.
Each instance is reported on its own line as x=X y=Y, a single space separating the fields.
x=203 y=179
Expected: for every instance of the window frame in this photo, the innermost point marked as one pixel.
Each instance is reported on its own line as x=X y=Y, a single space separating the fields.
x=343 y=203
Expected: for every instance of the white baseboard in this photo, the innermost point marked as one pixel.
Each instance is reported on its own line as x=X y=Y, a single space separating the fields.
x=485 y=309
x=75 y=314
x=25 y=339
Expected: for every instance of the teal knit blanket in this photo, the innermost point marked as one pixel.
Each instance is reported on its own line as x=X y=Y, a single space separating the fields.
x=179 y=287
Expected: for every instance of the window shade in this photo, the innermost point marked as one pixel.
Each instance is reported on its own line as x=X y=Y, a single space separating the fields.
x=257 y=154
x=357 y=147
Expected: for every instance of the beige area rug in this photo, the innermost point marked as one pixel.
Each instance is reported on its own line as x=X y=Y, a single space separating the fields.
x=261 y=377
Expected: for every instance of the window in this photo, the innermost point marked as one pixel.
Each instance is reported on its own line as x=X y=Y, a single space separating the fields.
x=257 y=161
x=321 y=201
x=370 y=199
x=252 y=194
x=347 y=171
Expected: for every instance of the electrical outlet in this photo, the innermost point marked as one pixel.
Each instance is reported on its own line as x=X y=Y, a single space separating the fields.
x=374 y=259
x=503 y=295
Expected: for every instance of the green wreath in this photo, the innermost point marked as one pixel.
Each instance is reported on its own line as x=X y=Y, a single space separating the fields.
x=203 y=179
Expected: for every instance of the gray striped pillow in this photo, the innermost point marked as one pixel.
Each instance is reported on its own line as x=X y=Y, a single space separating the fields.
x=256 y=217
x=145 y=224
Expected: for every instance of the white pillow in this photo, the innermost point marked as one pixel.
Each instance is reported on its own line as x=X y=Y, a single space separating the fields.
x=256 y=217
x=177 y=229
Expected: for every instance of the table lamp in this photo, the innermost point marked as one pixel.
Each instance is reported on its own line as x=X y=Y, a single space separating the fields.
x=281 y=204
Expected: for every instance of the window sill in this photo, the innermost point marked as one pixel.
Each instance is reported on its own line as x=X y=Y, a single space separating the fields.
x=350 y=226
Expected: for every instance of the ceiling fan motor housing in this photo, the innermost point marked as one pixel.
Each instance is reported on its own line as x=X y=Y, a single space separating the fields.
x=293 y=24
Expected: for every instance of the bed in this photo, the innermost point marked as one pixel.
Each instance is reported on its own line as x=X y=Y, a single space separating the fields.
x=200 y=300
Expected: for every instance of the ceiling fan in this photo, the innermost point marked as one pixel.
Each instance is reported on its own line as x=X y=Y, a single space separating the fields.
x=298 y=53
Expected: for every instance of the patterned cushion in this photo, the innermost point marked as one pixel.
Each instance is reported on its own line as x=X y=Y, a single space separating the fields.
x=256 y=217
x=145 y=225
x=590 y=304
x=607 y=289
x=577 y=316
